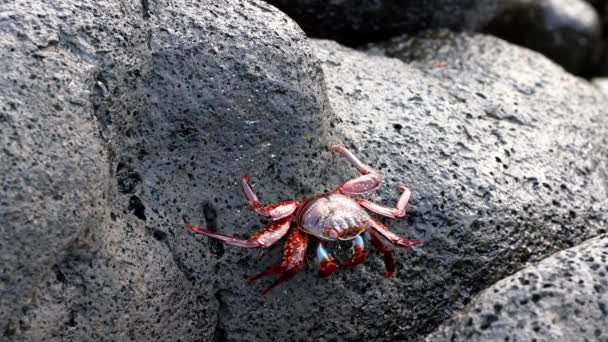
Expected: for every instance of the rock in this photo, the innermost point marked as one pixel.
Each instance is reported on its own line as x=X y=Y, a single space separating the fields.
x=53 y=162
x=357 y=22
x=502 y=151
x=602 y=84
x=567 y=31
x=178 y=100
x=563 y=298
x=121 y=122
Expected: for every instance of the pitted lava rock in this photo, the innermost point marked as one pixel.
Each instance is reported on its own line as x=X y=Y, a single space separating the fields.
x=563 y=298
x=122 y=121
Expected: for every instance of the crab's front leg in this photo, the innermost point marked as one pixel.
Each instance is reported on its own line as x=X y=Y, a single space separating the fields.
x=263 y=238
x=392 y=237
x=368 y=181
x=397 y=212
x=273 y=211
x=292 y=262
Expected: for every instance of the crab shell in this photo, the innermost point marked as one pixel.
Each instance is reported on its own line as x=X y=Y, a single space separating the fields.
x=333 y=217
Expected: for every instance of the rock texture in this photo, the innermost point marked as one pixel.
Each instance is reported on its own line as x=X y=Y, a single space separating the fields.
x=53 y=162
x=563 y=298
x=505 y=167
x=357 y=22
x=567 y=31
x=602 y=84
x=119 y=123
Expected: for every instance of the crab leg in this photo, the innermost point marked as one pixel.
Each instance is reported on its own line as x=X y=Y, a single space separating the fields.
x=389 y=261
x=273 y=211
x=263 y=238
x=393 y=213
x=392 y=237
x=292 y=263
x=367 y=182
x=326 y=262
x=358 y=253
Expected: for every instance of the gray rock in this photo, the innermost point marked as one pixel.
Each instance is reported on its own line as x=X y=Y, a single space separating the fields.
x=357 y=22
x=567 y=31
x=602 y=84
x=503 y=152
x=139 y=123
x=53 y=162
x=563 y=298
x=184 y=98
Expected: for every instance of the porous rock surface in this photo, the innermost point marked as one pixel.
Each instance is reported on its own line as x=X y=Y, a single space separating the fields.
x=563 y=298
x=505 y=167
x=360 y=21
x=53 y=161
x=173 y=101
x=120 y=122
x=602 y=84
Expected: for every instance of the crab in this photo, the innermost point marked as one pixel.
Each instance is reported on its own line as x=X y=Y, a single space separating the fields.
x=325 y=217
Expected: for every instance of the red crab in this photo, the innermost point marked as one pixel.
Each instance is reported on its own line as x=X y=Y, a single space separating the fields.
x=328 y=217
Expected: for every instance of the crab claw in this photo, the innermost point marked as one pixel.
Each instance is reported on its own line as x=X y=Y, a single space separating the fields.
x=328 y=266
x=326 y=262
x=358 y=253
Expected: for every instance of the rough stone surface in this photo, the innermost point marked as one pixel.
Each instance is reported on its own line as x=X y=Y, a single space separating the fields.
x=563 y=298
x=505 y=155
x=170 y=102
x=361 y=21
x=602 y=84
x=567 y=31
x=119 y=123
x=53 y=162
